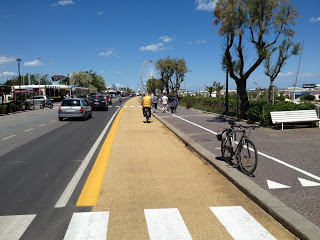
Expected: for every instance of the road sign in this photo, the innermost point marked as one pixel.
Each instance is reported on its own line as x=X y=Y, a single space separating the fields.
x=73 y=87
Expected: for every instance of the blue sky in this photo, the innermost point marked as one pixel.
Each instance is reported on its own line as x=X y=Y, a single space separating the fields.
x=114 y=38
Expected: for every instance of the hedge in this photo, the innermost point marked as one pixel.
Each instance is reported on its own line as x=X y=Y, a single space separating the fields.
x=259 y=111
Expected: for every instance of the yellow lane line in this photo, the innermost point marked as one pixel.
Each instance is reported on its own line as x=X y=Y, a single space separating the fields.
x=91 y=190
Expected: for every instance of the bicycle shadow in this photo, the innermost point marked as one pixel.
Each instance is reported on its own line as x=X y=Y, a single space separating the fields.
x=147 y=121
x=231 y=164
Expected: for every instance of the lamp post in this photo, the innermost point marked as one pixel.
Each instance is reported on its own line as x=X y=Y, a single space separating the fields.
x=39 y=76
x=18 y=60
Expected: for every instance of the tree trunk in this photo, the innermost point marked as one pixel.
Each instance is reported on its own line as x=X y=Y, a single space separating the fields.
x=242 y=91
x=270 y=90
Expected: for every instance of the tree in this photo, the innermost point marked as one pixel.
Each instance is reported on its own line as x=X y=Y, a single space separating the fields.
x=210 y=90
x=217 y=87
x=153 y=85
x=179 y=71
x=169 y=67
x=81 y=79
x=261 y=23
x=166 y=69
x=97 y=81
x=285 y=50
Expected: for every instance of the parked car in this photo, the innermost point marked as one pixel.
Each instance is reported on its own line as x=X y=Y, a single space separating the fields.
x=39 y=98
x=108 y=99
x=74 y=108
x=98 y=102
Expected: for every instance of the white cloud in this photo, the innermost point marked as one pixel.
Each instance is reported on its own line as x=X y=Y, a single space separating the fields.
x=8 y=74
x=205 y=5
x=308 y=74
x=286 y=74
x=4 y=60
x=100 y=13
x=201 y=41
x=101 y=71
x=156 y=47
x=167 y=39
x=33 y=63
x=108 y=53
x=315 y=19
x=63 y=3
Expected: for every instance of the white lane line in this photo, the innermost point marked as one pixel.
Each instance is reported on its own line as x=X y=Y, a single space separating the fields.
x=262 y=154
x=63 y=200
x=53 y=121
x=29 y=129
x=166 y=224
x=88 y=225
x=13 y=227
x=42 y=125
x=240 y=224
x=132 y=106
x=140 y=106
x=8 y=137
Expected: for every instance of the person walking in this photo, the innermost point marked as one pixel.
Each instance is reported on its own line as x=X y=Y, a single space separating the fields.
x=176 y=103
x=164 y=101
x=155 y=103
x=171 y=103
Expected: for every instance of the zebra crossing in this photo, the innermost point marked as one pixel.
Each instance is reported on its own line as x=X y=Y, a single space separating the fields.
x=164 y=223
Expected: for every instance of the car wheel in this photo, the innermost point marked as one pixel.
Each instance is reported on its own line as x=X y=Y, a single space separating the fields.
x=91 y=114
x=84 y=118
x=60 y=118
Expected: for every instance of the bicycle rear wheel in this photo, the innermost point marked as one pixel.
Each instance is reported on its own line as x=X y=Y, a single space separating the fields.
x=248 y=157
x=226 y=149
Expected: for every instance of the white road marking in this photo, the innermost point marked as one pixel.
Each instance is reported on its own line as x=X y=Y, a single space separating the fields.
x=53 y=121
x=166 y=224
x=63 y=200
x=275 y=185
x=42 y=125
x=262 y=154
x=88 y=225
x=240 y=224
x=13 y=227
x=29 y=129
x=8 y=137
x=125 y=106
x=132 y=106
x=140 y=106
x=308 y=183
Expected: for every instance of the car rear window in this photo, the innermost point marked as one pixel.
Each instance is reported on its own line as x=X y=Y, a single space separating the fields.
x=70 y=103
x=99 y=98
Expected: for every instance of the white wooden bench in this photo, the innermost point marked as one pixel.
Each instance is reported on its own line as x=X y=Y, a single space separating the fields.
x=298 y=116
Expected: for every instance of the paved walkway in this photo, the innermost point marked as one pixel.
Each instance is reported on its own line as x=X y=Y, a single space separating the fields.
x=156 y=187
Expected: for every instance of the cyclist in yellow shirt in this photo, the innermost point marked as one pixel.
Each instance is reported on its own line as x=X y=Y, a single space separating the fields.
x=146 y=102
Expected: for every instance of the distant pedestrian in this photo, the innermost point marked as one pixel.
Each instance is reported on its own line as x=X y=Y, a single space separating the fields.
x=176 y=103
x=164 y=101
x=155 y=103
x=171 y=103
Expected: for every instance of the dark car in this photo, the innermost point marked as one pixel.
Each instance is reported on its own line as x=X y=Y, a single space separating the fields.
x=98 y=102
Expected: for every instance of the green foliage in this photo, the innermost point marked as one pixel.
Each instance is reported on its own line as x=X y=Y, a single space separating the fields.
x=255 y=110
x=307 y=97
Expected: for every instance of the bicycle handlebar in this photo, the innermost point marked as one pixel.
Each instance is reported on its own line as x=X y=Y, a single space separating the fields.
x=233 y=125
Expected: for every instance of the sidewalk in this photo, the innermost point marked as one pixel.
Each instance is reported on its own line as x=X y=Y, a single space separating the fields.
x=152 y=175
x=289 y=218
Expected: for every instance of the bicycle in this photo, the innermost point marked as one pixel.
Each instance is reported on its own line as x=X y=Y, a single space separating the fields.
x=47 y=104
x=147 y=112
x=245 y=152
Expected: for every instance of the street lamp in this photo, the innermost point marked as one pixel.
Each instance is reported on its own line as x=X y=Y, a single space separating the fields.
x=19 y=60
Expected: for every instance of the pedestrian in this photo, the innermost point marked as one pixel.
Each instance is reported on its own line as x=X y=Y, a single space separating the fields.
x=164 y=101
x=171 y=103
x=155 y=103
x=176 y=103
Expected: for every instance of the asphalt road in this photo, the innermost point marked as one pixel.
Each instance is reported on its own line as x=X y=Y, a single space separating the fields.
x=288 y=165
x=39 y=155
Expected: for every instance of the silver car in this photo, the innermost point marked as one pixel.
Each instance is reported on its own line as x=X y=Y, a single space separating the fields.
x=74 y=107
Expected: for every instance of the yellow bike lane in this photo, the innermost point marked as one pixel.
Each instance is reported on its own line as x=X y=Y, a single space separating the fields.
x=154 y=187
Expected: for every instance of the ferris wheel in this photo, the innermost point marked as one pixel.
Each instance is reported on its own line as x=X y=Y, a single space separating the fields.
x=148 y=71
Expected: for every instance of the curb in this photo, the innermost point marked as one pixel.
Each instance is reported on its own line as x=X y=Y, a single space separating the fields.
x=290 y=219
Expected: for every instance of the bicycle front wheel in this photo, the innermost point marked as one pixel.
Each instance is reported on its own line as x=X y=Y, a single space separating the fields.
x=248 y=157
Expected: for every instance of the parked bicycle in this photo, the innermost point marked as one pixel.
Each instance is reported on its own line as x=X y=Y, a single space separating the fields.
x=244 y=153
